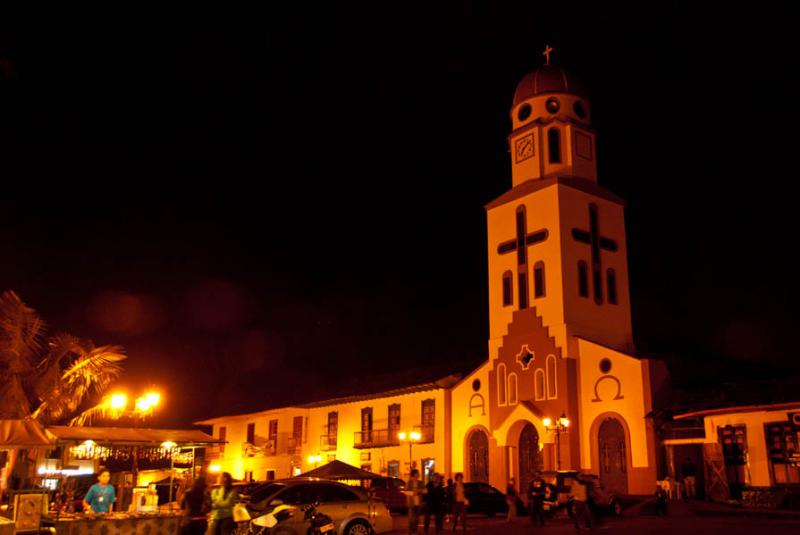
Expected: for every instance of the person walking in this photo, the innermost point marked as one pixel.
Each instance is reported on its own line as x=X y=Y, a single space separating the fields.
x=580 y=503
x=689 y=472
x=414 y=489
x=434 y=503
x=460 y=502
x=222 y=500
x=194 y=504
x=511 y=500
x=101 y=495
x=536 y=490
x=449 y=490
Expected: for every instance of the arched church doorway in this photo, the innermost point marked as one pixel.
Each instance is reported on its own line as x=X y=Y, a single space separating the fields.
x=613 y=456
x=478 y=456
x=530 y=456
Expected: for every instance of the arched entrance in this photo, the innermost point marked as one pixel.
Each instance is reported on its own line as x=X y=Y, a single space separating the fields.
x=613 y=456
x=530 y=456
x=478 y=449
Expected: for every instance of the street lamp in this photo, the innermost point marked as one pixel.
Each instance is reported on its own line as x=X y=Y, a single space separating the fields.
x=116 y=406
x=559 y=426
x=314 y=459
x=410 y=437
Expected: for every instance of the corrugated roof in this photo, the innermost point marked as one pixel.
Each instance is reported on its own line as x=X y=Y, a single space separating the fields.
x=132 y=436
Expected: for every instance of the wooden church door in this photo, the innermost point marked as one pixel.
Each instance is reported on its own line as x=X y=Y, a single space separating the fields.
x=613 y=457
x=530 y=457
x=479 y=457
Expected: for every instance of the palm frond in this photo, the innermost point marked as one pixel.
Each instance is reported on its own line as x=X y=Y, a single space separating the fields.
x=21 y=331
x=87 y=416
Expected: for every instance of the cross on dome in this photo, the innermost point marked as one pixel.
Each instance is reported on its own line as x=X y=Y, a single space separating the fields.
x=547 y=51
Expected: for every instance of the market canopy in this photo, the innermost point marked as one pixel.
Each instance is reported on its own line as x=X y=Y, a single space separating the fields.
x=25 y=433
x=132 y=436
x=339 y=470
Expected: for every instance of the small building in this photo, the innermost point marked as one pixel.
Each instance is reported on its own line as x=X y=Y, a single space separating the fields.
x=744 y=448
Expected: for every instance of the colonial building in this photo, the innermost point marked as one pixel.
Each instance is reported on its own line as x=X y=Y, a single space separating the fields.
x=560 y=342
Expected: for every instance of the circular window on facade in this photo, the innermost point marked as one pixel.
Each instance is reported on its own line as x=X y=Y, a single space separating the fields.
x=605 y=365
x=524 y=112
x=580 y=109
x=552 y=105
x=476 y=385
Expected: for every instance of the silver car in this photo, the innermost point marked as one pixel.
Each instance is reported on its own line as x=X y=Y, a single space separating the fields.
x=350 y=508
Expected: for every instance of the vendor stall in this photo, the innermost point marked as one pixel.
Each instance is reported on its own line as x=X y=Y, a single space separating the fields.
x=165 y=523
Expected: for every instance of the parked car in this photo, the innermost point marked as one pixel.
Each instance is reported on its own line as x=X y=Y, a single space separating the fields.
x=390 y=490
x=558 y=490
x=353 y=512
x=485 y=499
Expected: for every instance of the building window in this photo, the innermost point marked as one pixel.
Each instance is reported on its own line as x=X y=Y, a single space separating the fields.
x=270 y=475
x=552 y=382
x=508 y=289
x=554 y=145
x=501 y=385
x=611 y=286
x=583 y=279
x=333 y=428
x=223 y=436
x=782 y=444
x=428 y=469
x=394 y=421
x=538 y=384
x=734 y=451
x=366 y=425
x=428 y=413
x=273 y=434
x=512 y=389
x=393 y=469
x=538 y=280
x=251 y=433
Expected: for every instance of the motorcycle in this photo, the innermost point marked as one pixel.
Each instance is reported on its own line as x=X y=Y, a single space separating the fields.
x=320 y=523
x=270 y=523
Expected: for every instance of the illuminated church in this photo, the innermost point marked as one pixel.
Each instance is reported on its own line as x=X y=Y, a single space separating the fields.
x=560 y=387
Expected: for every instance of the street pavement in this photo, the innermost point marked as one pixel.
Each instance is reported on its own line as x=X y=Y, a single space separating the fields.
x=683 y=524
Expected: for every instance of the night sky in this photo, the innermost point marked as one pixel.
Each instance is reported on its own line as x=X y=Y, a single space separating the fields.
x=269 y=207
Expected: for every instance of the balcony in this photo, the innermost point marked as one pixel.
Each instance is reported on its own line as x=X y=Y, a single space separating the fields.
x=376 y=438
x=294 y=445
x=327 y=442
x=426 y=433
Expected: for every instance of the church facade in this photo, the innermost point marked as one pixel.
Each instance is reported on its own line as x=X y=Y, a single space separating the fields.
x=561 y=387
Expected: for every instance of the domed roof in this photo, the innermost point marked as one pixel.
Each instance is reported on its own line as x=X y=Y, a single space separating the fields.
x=547 y=79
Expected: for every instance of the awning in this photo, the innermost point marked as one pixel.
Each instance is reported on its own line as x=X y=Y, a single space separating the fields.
x=339 y=470
x=25 y=433
x=132 y=436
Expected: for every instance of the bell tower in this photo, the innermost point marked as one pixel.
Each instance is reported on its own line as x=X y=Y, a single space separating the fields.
x=556 y=239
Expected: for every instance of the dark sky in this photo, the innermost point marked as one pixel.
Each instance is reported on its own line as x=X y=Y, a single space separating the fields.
x=269 y=206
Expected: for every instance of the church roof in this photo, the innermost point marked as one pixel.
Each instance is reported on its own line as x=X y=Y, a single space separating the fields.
x=547 y=79
x=530 y=186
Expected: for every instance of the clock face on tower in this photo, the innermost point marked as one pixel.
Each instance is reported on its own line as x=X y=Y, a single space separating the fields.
x=523 y=148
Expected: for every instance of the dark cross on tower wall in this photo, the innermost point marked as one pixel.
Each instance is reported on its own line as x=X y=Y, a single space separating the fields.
x=520 y=245
x=547 y=51
x=597 y=242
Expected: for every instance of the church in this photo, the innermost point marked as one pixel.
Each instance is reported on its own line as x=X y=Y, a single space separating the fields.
x=560 y=387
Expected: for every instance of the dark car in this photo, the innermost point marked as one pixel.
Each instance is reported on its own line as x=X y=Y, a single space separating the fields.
x=390 y=490
x=485 y=499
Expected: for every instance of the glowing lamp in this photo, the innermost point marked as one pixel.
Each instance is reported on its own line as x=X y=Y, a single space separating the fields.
x=153 y=398
x=415 y=435
x=214 y=468
x=118 y=401
x=401 y=435
x=565 y=422
x=168 y=445
x=547 y=422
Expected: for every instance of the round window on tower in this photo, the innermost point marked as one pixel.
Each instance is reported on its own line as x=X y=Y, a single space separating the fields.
x=524 y=112
x=580 y=109
x=605 y=365
x=552 y=105
x=476 y=385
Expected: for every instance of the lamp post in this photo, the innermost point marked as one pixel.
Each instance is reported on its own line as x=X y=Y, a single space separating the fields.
x=116 y=406
x=559 y=426
x=410 y=437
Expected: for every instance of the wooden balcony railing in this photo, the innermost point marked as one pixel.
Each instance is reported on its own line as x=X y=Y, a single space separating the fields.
x=426 y=433
x=327 y=442
x=376 y=438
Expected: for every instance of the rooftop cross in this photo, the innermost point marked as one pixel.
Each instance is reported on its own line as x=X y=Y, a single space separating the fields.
x=547 y=51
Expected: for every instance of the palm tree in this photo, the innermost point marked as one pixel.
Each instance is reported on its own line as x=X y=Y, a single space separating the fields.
x=55 y=380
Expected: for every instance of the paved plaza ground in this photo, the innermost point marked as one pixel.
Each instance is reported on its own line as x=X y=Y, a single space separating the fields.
x=685 y=520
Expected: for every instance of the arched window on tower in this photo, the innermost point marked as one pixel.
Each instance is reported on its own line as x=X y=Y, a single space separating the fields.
x=538 y=384
x=554 y=145
x=508 y=289
x=552 y=379
x=538 y=280
x=512 y=389
x=611 y=286
x=502 y=400
x=583 y=279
